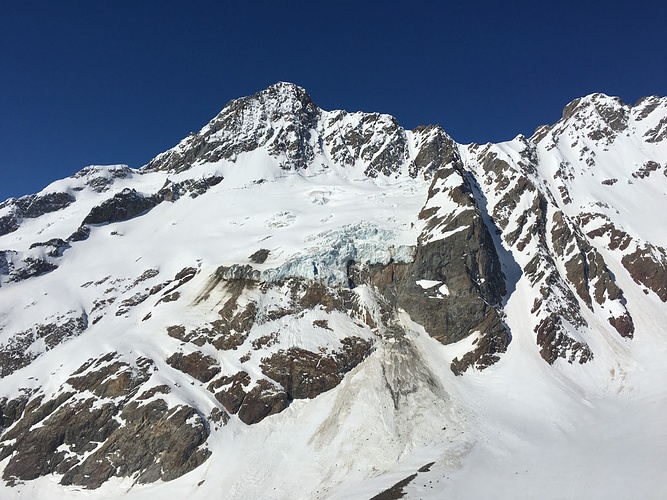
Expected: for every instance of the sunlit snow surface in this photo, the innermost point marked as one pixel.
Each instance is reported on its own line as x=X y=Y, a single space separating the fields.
x=519 y=429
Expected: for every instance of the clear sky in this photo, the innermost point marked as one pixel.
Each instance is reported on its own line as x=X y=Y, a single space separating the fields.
x=100 y=82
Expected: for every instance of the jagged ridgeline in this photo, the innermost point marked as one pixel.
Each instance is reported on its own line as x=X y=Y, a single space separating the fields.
x=242 y=279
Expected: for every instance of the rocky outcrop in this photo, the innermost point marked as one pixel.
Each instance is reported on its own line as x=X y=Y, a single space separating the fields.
x=30 y=207
x=587 y=271
x=555 y=343
x=646 y=169
x=8 y=224
x=658 y=133
x=473 y=285
x=195 y=364
x=172 y=191
x=288 y=374
x=27 y=267
x=155 y=443
x=22 y=347
x=122 y=206
x=34 y=206
x=251 y=406
x=81 y=234
x=88 y=439
x=375 y=139
x=294 y=373
x=648 y=266
x=646 y=263
x=305 y=374
x=260 y=256
x=231 y=329
x=11 y=410
x=246 y=124
x=435 y=149
x=597 y=117
x=457 y=258
x=100 y=178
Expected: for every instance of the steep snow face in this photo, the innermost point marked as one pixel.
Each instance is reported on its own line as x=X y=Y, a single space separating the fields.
x=576 y=208
x=608 y=158
x=284 y=122
x=321 y=304
x=279 y=118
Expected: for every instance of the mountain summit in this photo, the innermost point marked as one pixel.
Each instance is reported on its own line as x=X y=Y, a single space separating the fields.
x=299 y=303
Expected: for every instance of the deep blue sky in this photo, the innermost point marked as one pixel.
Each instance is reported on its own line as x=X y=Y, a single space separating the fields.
x=99 y=82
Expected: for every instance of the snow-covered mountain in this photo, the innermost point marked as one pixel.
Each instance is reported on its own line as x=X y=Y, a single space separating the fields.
x=299 y=303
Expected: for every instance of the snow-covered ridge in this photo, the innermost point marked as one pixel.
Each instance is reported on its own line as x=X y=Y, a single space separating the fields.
x=284 y=120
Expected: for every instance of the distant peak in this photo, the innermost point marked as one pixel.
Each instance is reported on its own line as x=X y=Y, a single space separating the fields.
x=600 y=97
x=286 y=89
x=598 y=116
x=282 y=95
x=279 y=115
x=596 y=102
x=280 y=100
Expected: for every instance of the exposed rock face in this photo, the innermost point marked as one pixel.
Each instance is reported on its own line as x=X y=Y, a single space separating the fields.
x=101 y=178
x=80 y=234
x=194 y=187
x=8 y=224
x=349 y=143
x=646 y=169
x=284 y=120
x=305 y=374
x=196 y=364
x=263 y=400
x=588 y=273
x=82 y=438
x=598 y=116
x=260 y=256
x=292 y=373
x=555 y=343
x=122 y=206
x=156 y=443
x=19 y=267
x=658 y=133
x=31 y=207
x=648 y=266
x=11 y=410
x=34 y=206
x=247 y=124
x=54 y=247
x=435 y=150
x=455 y=251
x=21 y=348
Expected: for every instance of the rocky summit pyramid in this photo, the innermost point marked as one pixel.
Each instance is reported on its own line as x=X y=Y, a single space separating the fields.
x=299 y=303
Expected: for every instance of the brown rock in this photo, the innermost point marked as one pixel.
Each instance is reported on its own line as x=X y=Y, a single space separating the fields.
x=648 y=269
x=263 y=400
x=196 y=364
